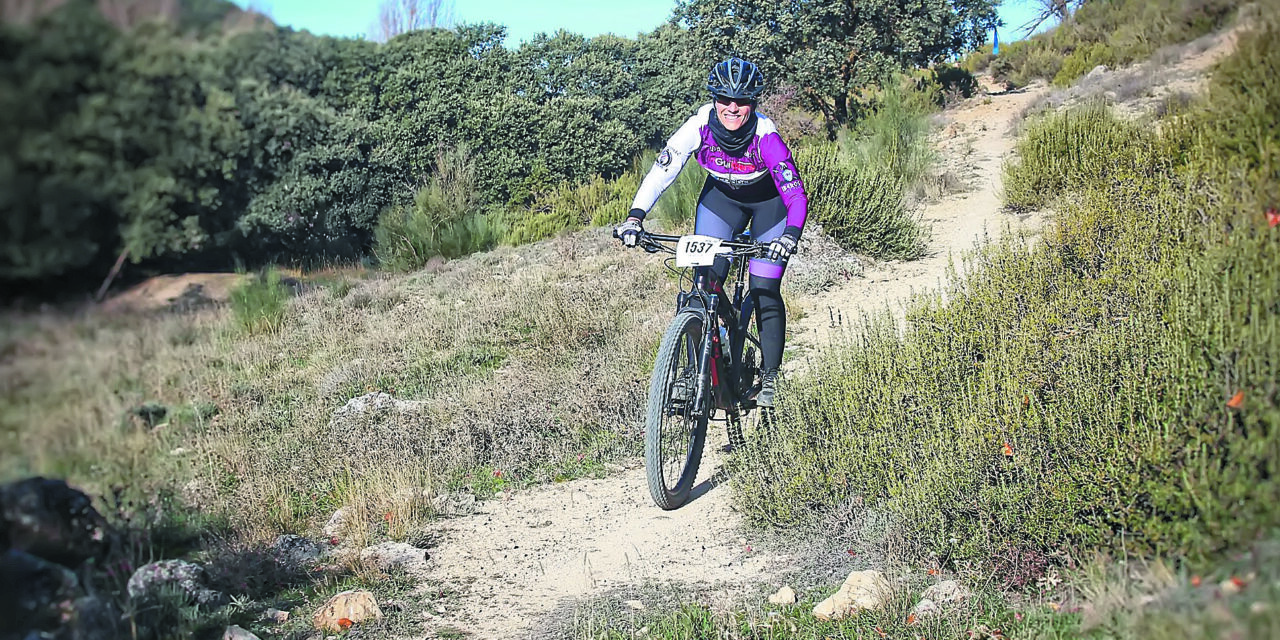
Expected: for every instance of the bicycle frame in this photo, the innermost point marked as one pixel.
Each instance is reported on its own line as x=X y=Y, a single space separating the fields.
x=713 y=304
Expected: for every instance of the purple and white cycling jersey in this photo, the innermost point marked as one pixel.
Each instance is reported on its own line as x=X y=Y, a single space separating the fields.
x=767 y=155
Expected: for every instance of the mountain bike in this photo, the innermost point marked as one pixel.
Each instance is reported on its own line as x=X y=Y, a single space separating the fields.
x=708 y=361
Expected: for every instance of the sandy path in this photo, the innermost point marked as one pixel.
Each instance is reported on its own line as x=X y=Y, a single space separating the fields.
x=520 y=558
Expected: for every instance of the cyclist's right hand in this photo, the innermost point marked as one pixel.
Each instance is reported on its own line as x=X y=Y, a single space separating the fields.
x=629 y=232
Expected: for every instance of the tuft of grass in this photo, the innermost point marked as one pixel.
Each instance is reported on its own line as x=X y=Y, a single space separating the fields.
x=444 y=220
x=259 y=303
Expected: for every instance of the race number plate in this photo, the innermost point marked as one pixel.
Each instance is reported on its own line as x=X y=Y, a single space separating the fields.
x=697 y=251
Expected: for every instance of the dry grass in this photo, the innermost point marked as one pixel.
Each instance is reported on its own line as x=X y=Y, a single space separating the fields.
x=519 y=365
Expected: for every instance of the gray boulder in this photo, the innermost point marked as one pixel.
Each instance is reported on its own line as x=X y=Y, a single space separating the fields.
x=389 y=556
x=150 y=580
x=296 y=551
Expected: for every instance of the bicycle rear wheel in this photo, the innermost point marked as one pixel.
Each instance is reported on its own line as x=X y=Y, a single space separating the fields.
x=675 y=430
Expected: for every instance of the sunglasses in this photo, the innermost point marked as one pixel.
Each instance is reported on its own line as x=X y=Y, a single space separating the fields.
x=741 y=102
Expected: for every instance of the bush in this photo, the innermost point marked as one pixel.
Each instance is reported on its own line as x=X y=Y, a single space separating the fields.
x=679 y=203
x=566 y=207
x=945 y=84
x=259 y=303
x=979 y=60
x=1063 y=151
x=1112 y=386
x=857 y=187
x=1082 y=61
x=444 y=220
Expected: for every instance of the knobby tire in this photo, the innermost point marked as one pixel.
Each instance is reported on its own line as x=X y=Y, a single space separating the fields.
x=681 y=346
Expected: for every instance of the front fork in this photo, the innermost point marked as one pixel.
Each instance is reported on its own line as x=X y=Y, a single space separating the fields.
x=706 y=372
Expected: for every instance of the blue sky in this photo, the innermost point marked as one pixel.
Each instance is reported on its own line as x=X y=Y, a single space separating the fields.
x=524 y=18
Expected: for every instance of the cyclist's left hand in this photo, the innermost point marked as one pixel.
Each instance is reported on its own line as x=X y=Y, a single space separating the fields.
x=782 y=248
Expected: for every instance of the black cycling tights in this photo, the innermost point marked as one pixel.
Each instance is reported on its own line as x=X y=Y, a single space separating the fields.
x=724 y=217
x=771 y=312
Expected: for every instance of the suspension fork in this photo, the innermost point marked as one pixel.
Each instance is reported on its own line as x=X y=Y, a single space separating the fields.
x=711 y=335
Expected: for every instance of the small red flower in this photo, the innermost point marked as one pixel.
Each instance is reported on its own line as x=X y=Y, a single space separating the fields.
x=345 y=623
x=1236 y=400
x=1273 y=217
x=1007 y=450
x=388 y=517
x=497 y=473
x=1195 y=581
x=1238 y=582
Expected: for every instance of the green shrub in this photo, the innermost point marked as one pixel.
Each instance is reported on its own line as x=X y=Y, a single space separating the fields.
x=979 y=60
x=259 y=303
x=679 y=203
x=444 y=219
x=857 y=186
x=1111 y=386
x=594 y=203
x=1082 y=61
x=946 y=84
x=1063 y=151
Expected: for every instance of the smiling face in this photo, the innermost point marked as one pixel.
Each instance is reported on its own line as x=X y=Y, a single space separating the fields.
x=733 y=112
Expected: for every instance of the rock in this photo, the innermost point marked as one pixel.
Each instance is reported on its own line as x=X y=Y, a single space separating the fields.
x=947 y=592
x=371 y=404
x=234 y=632
x=50 y=520
x=861 y=590
x=1097 y=71
x=337 y=525
x=926 y=608
x=389 y=556
x=1259 y=608
x=188 y=578
x=356 y=606
x=785 y=595
x=635 y=605
x=275 y=615
x=454 y=504
x=35 y=594
x=938 y=596
x=296 y=551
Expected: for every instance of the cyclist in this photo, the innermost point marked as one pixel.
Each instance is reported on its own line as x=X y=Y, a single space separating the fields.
x=751 y=179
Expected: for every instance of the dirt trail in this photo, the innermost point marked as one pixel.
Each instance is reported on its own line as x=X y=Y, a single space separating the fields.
x=520 y=557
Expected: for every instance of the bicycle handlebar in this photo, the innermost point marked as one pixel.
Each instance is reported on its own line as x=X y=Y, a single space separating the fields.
x=655 y=240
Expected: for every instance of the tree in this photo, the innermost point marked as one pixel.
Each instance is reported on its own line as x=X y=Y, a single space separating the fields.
x=830 y=49
x=1046 y=10
x=396 y=17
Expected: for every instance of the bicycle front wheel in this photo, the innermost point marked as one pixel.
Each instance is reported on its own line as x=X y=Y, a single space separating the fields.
x=675 y=430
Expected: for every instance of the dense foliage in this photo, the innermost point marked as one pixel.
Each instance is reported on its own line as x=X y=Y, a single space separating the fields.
x=260 y=142
x=831 y=49
x=201 y=139
x=1111 y=386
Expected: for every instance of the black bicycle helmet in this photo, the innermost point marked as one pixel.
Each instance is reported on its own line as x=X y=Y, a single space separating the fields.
x=735 y=78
